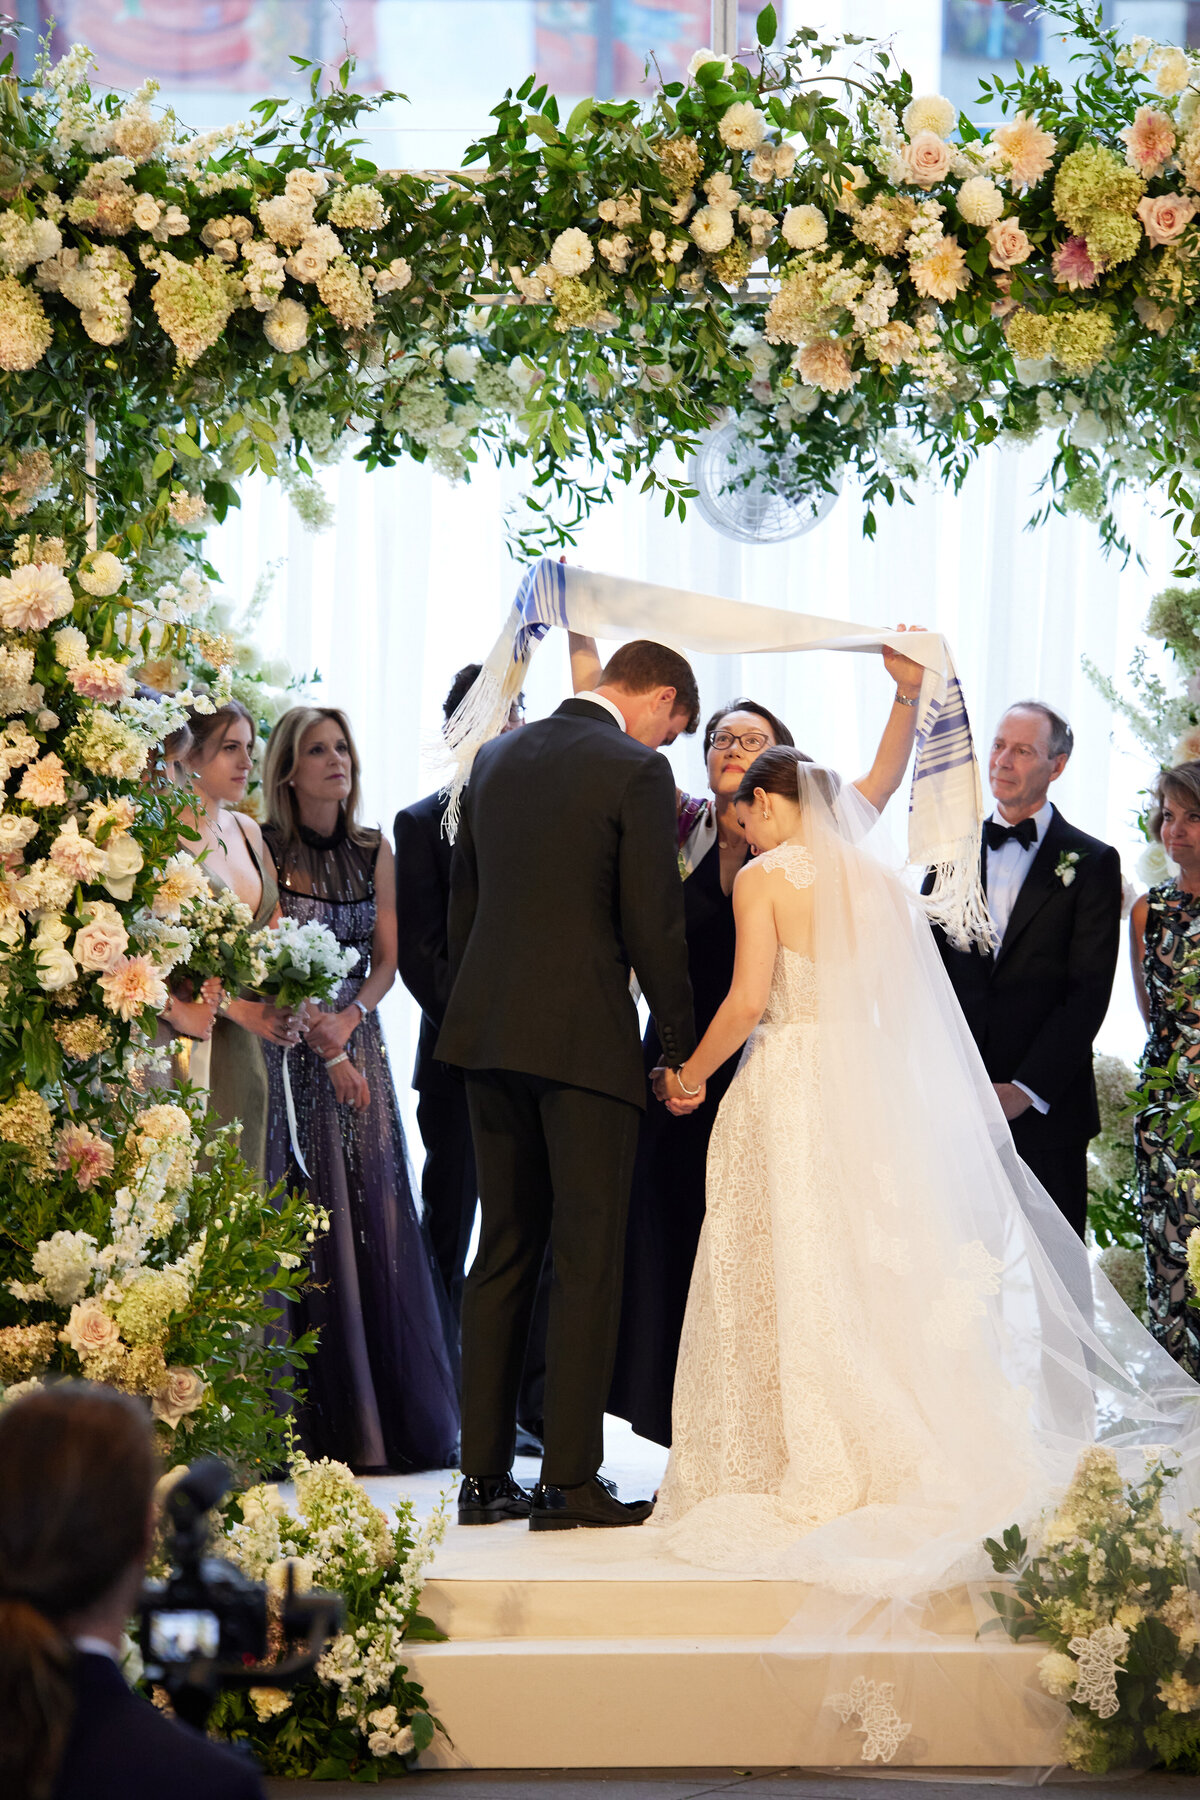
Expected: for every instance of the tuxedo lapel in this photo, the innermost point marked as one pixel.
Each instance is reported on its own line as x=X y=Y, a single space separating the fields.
x=1037 y=886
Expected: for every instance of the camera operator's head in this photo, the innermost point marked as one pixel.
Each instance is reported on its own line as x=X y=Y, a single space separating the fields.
x=77 y=1476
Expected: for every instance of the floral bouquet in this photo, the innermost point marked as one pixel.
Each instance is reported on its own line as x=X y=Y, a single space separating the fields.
x=293 y=962
x=220 y=927
x=1115 y=1591
x=362 y=1718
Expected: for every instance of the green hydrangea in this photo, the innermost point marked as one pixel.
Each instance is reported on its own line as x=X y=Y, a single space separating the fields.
x=575 y=303
x=144 y=1313
x=1029 y=335
x=1086 y=496
x=1080 y=338
x=1174 y=618
x=1095 y=196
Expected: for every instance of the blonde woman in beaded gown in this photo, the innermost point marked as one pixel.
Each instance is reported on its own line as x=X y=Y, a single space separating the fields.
x=882 y=1361
x=380 y=1390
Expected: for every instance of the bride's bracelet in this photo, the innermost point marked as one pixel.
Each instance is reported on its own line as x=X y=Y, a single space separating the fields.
x=331 y=1062
x=690 y=1092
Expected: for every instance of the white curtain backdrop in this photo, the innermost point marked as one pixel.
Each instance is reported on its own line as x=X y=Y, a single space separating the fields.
x=413 y=580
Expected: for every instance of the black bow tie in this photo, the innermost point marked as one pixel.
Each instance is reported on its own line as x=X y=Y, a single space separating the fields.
x=998 y=835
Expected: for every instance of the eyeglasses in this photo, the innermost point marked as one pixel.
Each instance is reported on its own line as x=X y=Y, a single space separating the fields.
x=750 y=741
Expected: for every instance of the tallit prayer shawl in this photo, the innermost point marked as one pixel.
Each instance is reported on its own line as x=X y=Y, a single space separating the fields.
x=945 y=814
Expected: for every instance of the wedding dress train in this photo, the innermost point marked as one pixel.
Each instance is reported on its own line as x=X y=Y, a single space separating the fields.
x=892 y=1348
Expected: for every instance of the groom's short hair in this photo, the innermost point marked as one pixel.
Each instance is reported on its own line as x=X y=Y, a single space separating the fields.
x=643 y=665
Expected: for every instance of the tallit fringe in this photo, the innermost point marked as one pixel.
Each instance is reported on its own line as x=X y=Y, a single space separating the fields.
x=958 y=902
x=481 y=714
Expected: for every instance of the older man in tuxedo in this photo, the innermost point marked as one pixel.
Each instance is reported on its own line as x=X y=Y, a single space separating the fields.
x=1035 y=1003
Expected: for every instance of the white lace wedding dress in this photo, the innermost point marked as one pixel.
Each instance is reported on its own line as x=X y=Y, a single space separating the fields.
x=881 y=1360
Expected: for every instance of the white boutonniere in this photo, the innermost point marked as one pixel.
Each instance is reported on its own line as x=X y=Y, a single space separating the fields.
x=1064 y=868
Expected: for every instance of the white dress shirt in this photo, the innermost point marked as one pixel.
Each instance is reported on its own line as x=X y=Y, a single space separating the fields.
x=1006 y=872
x=603 y=701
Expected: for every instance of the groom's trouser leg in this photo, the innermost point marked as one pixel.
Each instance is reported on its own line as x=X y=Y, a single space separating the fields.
x=515 y=1203
x=590 y=1142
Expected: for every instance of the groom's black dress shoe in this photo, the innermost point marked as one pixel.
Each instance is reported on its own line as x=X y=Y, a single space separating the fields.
x=490 y=1499
x=593 y=1502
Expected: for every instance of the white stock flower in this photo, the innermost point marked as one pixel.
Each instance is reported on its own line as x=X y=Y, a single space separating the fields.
x=804 y=227
x=1171 y=69
x=571 y=252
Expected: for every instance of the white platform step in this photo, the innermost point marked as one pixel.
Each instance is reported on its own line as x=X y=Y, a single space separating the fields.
x=668 y=1702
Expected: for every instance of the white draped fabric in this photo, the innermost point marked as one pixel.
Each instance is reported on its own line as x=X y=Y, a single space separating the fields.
x=413 y=579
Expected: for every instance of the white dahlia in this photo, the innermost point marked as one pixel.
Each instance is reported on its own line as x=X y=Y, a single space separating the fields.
x=980 y=201
x=804 y=227
x=930 y=112
x=101 y=574
x=712 y=228
x=285 y=327
x=571 y=252
x=742 y=126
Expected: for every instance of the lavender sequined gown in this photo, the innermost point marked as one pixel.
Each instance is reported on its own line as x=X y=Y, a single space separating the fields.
x=380 y=1390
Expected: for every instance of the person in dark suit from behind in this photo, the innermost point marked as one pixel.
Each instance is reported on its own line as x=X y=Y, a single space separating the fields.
x=77 y=1476
x=1035 y=1003
x=564 y=877
x=448 y=1186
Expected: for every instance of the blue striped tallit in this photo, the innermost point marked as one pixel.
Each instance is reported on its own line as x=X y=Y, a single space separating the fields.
x=946 y=806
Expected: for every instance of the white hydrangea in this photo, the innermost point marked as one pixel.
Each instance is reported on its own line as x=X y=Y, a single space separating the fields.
x=65 y=1263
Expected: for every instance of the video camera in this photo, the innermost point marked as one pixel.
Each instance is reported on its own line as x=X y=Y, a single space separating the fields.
x=205 y=1627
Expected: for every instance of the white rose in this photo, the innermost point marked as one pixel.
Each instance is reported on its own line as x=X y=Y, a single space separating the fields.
x=53 y=929
x=380 y=1743
x=804 y=227
x=55 y=967
x=709 y=56
x=571 y=252
x=462 y=364
x=124 y=861
x=146 y=212
x=15 y=832
x=522 y=374
x=101 y=574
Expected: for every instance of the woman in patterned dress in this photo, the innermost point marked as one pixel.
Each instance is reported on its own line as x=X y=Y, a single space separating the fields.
x=1165 y=947
x=380 y=1391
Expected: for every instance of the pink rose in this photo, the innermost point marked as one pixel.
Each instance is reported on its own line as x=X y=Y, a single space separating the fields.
x=89 y=1329
x=100 y=944
x=1008 y=242
x=182 y=1392
x=928 y=159
x=1165 y=215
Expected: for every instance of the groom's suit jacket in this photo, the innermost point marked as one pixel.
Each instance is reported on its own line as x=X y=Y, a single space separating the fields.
x=564 y=876
x=1035 y=1005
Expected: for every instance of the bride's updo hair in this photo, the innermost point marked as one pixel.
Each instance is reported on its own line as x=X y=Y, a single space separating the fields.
x=775 y=772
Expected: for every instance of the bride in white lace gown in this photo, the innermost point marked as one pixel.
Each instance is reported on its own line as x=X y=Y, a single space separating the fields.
x=882 y=1362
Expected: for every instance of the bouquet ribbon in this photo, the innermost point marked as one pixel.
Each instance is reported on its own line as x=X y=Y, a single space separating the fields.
x=290 y=1105
x=945 y=814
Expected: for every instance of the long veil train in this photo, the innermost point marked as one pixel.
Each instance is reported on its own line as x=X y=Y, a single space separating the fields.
x=895 y=1345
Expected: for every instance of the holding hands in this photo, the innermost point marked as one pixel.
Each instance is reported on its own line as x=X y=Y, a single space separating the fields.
x=675 y=1097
